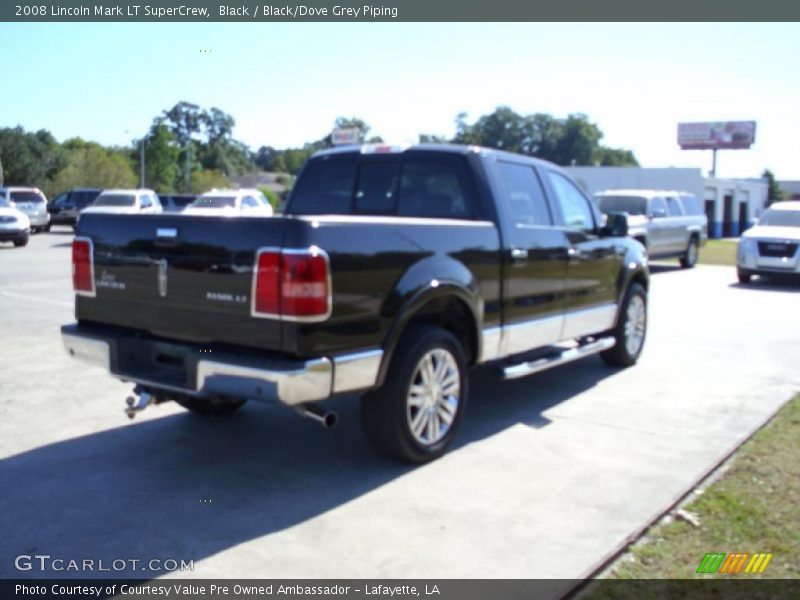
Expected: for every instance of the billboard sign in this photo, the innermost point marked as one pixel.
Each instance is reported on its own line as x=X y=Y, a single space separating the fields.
x=716 y=135
x=346 y=137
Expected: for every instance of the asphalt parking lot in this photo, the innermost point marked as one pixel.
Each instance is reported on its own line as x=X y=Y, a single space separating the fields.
x=551 y=474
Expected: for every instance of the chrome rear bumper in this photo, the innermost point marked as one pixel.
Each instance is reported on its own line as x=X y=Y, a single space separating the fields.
x=291 y=382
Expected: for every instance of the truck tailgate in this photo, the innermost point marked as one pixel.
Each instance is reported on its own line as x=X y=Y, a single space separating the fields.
x=179 y=276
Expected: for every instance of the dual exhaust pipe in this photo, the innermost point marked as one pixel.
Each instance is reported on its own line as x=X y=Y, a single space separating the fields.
x=326 y=418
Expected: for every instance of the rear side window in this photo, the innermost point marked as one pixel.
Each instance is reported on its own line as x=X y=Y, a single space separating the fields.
x=523 y=195
x=414 y=186
x=673 y=208
x=377 y=186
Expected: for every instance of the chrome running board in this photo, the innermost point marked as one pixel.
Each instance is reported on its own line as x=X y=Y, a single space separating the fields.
x=542 y=364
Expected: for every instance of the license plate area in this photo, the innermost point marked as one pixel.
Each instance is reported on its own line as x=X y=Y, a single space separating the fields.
x=158 y=362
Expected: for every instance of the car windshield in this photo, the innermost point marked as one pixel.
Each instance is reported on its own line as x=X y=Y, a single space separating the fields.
x=26 y=197
x=633 y=205
x=781 y=218
x=115 y=200
x=214 y=202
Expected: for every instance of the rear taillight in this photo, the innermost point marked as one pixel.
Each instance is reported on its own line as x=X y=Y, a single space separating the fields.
x=83 y=267
x=293 y=285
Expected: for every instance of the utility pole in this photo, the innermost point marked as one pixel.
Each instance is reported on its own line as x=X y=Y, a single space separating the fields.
x=141 y=163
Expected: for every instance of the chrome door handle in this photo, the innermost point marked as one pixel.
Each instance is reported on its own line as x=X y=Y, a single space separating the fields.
x=519 y=254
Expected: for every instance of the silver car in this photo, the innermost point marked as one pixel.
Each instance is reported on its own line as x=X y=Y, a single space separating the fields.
x=668 y=224
x=31 y=201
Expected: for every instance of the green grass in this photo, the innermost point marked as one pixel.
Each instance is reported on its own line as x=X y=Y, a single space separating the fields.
x=753 y=507
x=718 y=252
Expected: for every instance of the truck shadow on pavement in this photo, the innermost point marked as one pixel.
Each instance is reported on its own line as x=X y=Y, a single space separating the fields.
x=187 y=487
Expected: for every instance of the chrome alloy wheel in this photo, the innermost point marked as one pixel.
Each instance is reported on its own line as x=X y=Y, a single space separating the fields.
x=432 y=401
x=635 y=325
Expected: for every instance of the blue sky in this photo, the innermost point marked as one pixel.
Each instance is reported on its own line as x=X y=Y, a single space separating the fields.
x=285 y=83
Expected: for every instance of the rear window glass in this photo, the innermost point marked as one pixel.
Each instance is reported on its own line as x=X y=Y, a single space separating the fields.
x=183 y=200
x=633 y=205
x=26 y=197
x=326 y=187
x=115 y=200
x=414 y=186
x=215 y=202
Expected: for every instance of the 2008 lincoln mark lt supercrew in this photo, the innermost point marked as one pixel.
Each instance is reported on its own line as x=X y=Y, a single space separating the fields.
x=391 y=272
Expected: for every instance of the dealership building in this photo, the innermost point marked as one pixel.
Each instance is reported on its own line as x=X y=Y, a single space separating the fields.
x=731 y=205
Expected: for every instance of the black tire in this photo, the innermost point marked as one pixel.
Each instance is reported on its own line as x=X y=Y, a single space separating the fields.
x=205 y=406
x=623 y=354
x=47 y=228
x=387 y=413
x=743 y=276
x=20 y=243
x=689 y=259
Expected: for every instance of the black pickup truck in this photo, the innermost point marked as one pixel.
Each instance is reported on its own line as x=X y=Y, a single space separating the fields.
x=391 y=273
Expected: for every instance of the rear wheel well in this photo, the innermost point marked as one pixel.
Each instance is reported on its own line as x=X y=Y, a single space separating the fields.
x=452 y=314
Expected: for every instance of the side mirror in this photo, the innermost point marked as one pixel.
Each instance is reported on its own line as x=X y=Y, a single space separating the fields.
x=658 y=213
x=616 y=225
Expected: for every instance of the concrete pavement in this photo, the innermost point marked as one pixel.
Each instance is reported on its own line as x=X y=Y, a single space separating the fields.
x=551 y=474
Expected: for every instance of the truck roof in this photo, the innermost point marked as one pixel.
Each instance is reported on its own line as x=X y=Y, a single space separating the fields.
x=444 y=148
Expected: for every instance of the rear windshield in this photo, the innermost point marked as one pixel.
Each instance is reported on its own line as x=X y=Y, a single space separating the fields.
x=26 y=197
x=781 y=218
x=633 y=205
x=421 y=185
x=115 y=200
x=215 y=201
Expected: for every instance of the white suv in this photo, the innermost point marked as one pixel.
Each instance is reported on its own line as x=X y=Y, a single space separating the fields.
x=773 y=246
x=32 y=202
x=243 y=202
x=125 y=202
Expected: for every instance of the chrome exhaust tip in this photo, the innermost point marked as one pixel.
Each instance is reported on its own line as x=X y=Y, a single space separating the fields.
x=326 y=418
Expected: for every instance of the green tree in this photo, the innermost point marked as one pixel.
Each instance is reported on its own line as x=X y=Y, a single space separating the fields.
x=30 y=158
x=91 y=165
x=205 y=179
x=774 y=191
x=161 y=156
x=614 y=157
x=1 y=171
x=574 y=140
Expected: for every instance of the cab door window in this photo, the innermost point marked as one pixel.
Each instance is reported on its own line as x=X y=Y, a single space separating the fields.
x=576 y=212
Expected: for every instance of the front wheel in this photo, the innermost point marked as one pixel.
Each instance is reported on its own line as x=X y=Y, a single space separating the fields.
x=414 y=416
x=689 y=259
x=22 y=242
x=743 y=276
x=631 y=329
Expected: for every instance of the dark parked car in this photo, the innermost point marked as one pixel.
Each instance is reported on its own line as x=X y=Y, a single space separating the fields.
x=391 y=273
x=176 y=202
x=65 y=207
